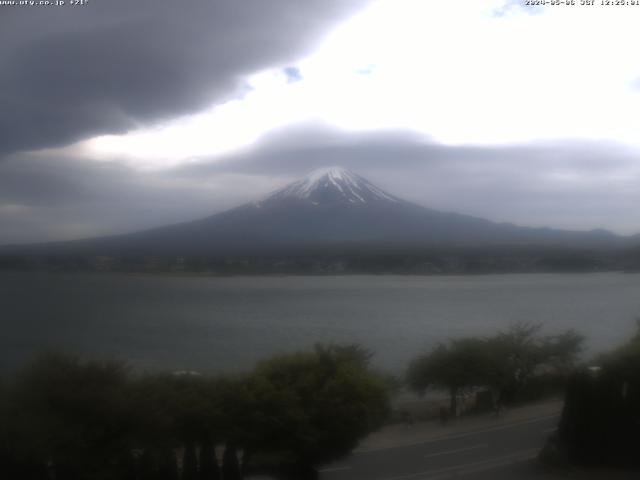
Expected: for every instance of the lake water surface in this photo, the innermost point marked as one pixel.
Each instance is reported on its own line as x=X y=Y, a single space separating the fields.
x=219 y=324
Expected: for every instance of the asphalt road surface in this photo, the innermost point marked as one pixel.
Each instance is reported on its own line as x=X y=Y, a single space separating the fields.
x=504 y=451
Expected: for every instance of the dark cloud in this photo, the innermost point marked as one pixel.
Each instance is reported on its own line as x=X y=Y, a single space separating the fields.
x=298 y=149
x=68 y=73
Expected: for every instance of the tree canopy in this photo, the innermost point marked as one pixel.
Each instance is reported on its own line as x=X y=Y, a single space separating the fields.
x=90 y=420
x=599 y=423
x=317 y=405
x=451 y=366
x=504 y=363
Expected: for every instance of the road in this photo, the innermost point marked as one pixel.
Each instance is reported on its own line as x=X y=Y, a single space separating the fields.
x=502 y=450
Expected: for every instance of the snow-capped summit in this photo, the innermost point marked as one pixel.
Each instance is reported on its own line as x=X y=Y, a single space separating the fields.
x=329 y=210
x=331 y=185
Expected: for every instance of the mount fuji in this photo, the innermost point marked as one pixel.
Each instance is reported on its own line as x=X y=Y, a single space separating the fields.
x=329 y=210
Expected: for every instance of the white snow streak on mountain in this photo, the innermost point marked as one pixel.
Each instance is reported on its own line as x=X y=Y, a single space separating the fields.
x=337 y=180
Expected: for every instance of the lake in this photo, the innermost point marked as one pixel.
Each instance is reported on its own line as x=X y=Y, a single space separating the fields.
x=226 y=324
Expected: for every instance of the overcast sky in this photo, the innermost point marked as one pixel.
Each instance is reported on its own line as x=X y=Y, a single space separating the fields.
x=122 y=115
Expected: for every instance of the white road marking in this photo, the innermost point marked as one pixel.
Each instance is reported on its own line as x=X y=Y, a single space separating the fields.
x=454 y=436
x=457 y=450
x=468 y=468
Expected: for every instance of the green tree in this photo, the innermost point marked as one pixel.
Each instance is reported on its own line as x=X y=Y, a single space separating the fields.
x=626 y=354
x=209 y=469
x=190 y=462
x=521 y=353
x=314 y=407
x=182 y=411
x=75 y=414
x=230 y=463
x=599 y=423
x=452 y=366
x=504 y=363
x=18 y=458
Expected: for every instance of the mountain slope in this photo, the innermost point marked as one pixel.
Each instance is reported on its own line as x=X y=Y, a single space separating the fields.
x=328 y=209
